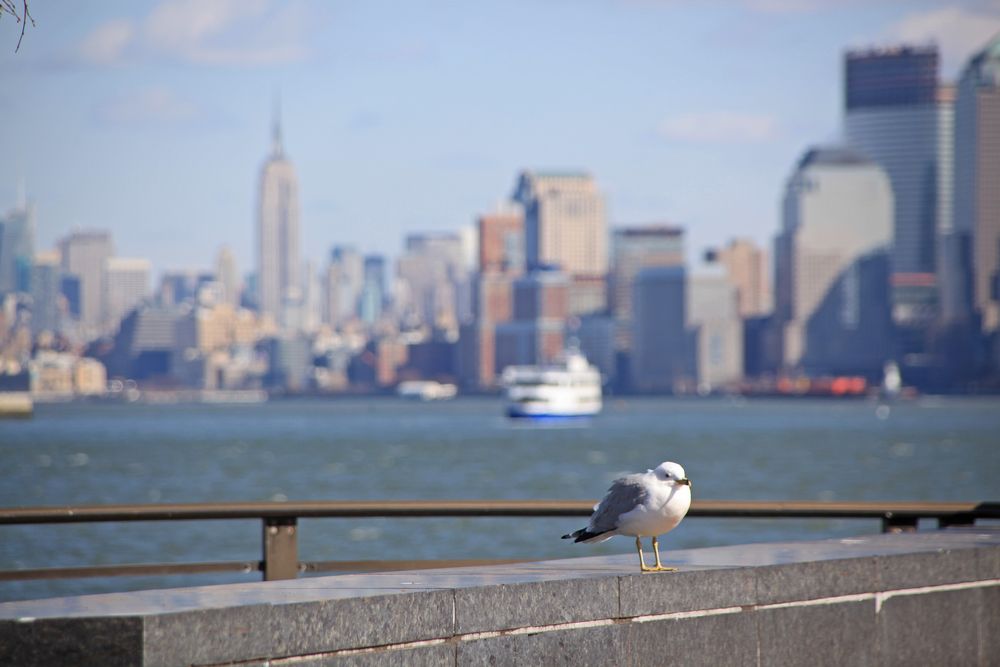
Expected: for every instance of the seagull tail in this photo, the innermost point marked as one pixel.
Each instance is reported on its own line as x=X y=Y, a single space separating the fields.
x=584 y=535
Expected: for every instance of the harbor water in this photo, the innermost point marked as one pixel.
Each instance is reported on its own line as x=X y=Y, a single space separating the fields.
x=928 y=449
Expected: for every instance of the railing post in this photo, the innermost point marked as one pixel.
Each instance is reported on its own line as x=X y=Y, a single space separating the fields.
x=281 y=548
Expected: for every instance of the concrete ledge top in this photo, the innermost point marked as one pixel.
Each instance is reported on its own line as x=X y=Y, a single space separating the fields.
x=882 y=562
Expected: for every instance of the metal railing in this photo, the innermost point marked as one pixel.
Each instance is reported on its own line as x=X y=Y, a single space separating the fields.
x=279 y=522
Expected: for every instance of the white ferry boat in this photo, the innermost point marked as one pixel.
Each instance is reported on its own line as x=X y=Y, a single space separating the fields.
x=570 y=387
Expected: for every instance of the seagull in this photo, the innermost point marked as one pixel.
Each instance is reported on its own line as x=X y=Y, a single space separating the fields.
x=643 y=504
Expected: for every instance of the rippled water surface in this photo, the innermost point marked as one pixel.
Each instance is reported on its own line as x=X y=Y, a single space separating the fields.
x=929 y=449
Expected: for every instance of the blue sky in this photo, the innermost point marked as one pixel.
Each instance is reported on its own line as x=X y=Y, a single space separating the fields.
x=152 y=118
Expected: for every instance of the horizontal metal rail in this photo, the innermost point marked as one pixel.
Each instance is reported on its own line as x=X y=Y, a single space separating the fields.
x=280 y=526
x=485 y=508
x=244 y=567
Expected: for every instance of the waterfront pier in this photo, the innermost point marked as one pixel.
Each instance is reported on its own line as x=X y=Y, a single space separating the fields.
x=927 y=597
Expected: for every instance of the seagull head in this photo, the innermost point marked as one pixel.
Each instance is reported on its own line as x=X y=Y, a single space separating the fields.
x=672 y=473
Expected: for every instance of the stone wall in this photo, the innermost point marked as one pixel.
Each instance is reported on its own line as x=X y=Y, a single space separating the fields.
x=906 y=599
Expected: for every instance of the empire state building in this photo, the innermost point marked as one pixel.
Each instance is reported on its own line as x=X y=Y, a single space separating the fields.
x=278 y=284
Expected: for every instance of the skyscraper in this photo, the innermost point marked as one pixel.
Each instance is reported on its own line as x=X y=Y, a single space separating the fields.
x=278 y=232
x=126 y=285
x=343 y=285
x=536 y=332
x=893 y=116
x=45 y=274
x=831 y=265
x=636 y=248
x=501 y=240
x=500 y=262
x=17 y=247
x=747 y=268
x=228 y=276
x=661 y=348
x=716 y=330
x=433 y=269
x=84 y=254
x=373 y=289
x=564 y=222
x=977 y=178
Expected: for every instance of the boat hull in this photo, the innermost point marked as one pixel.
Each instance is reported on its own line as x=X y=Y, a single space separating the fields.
x=520 y=413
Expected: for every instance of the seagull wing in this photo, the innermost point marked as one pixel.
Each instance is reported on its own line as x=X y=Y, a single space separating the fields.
x=625 y=494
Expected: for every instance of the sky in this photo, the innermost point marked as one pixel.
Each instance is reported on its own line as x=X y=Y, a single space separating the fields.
x=152 y=118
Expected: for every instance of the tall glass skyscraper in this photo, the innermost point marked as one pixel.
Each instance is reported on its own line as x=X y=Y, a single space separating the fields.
x=977 y=178
x=84 y=254
x=373 y=291
x=830 y=265
x=278 y=233
x=893 y=115
x=17 y=246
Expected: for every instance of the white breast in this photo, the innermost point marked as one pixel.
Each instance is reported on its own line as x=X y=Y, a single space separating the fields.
x=663 y=510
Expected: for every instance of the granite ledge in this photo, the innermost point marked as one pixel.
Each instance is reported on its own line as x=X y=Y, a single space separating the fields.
x=243 y=622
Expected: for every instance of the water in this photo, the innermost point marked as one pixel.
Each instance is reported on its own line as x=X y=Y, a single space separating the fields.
x=930 y=449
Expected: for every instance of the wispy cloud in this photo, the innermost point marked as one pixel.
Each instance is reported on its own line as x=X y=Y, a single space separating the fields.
x=151 y=105
x=107 y=44
x=719 y=127
x=957 y=31
x=220 y=32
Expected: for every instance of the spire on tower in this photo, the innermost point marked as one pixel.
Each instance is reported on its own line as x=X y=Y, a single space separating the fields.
x=276 y=148
x=22 y=199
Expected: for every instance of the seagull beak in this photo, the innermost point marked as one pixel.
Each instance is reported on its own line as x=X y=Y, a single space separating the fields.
x=685 y=481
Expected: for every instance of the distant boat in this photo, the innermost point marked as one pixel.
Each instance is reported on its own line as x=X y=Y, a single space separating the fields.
x=15 y=395
x=892 y=382
x=426 y=390
x=16 y=404
x=571 y=387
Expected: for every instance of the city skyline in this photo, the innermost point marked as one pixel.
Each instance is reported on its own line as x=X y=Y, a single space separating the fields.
x=94 y=94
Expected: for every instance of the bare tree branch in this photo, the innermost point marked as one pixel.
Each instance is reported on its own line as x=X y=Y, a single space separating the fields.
x=10 y=6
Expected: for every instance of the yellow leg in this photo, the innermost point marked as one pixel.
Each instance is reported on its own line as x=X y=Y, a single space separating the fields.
x=642 y=563
x=656 y=552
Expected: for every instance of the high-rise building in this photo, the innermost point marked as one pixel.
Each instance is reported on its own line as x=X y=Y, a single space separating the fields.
x=500 y=261
x=977 y=179
x=433 y=269
x=894 y=116
x=953 y=245
x=661 y=349
x=636 y=248
x=126 y=285
x=492 y=305
x=228 y=276
x=17 y=247
x=45 y=297
x=564 y=222
x=536 y=332
x=343 y=285
x=69 y=289
x=501 y=240
x=716 y=328
x=373 y=289
x=278 y=260
x=84 y=254
x=311 y=304
x=830 y=269
x=746 y=266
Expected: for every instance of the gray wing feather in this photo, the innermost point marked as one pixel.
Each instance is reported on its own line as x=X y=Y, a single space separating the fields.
x=623 y=496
